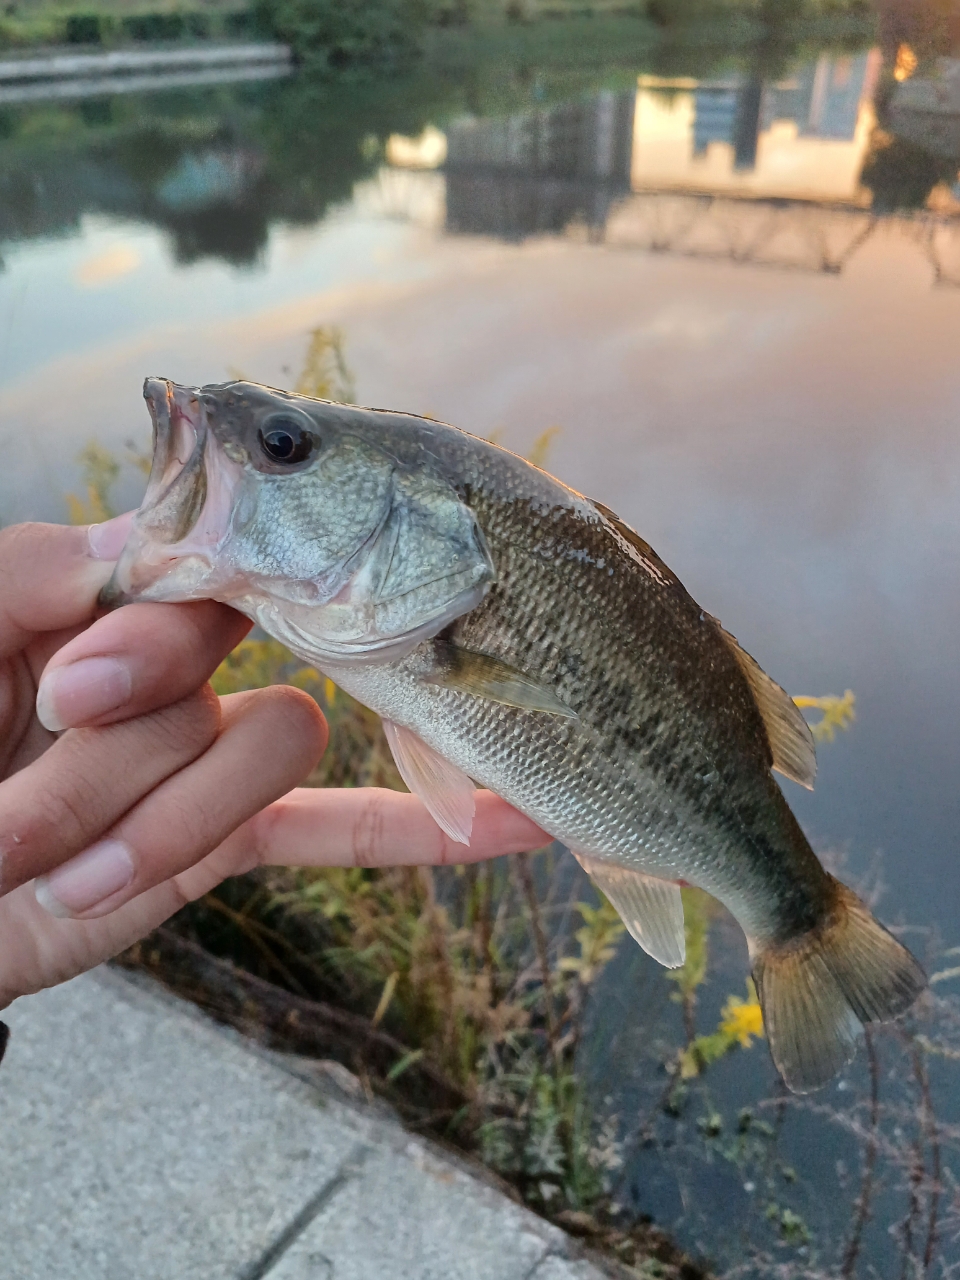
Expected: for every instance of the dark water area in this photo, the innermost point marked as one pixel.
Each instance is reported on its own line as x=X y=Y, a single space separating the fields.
x=729 y=272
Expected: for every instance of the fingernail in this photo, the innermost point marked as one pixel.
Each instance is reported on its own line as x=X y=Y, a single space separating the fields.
x=86 y=880
x=82 y=691
x=106 y=540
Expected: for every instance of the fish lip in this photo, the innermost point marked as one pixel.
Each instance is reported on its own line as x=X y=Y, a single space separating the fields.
x=176 y=489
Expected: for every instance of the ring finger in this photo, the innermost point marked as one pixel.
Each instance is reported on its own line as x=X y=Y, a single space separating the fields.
x=89 y=778
x=195 y=810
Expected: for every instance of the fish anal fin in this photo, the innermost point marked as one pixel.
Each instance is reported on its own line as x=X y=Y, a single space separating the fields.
x=446 y=791
x=484 y=676
x=789 y=736
x=815 y=990
x=651 y=909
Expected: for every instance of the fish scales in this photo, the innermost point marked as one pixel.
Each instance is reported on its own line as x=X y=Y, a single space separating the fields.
x=514 y=633
x=623 y=648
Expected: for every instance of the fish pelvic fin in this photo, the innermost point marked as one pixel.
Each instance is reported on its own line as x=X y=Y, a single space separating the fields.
x=651 y=909
x=791 y=742
x=817 y=989
x=446 y=791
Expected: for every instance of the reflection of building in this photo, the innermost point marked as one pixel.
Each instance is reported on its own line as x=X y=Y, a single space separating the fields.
x=803 y=138
x=539 y=170
x=736 y=170
x=824 y=98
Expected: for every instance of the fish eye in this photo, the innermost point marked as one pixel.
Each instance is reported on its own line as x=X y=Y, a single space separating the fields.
x=285 y=440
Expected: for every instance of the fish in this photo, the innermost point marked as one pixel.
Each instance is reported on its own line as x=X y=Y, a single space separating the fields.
x=516 y=635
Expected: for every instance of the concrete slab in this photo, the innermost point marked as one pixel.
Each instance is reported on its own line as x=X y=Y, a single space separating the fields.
x=138 y=1138
x=419 y=1218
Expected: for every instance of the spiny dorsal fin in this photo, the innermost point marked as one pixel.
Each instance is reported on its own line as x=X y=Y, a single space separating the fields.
x=445 y=790
x=486 y=677
x=651 y=909
x=791 y=742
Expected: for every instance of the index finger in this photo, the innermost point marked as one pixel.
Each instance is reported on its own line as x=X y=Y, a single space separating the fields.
x=376 y=827
x=51 y=575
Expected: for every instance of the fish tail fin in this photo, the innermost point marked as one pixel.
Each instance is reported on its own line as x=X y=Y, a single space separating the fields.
x=817 y=989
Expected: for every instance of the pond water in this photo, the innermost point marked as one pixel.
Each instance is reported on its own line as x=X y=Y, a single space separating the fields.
x=732 y=281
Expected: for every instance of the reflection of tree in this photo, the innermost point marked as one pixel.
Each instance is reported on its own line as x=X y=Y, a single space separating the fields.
x=929 y=27
x=213 y=171
x=901 y=174
x=236 y=233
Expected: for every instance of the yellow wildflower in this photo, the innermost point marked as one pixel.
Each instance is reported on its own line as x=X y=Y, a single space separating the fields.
x=741 y=1020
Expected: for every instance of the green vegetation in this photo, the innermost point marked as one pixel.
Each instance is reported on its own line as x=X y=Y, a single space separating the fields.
x=329 y=36
x=340 y=33
x=111 y=22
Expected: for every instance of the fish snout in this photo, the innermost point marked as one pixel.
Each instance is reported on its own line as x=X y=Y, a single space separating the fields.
x=173 y=547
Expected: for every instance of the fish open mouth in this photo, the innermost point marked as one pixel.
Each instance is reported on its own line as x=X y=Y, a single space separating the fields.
x=177 y=488
x=185 y=513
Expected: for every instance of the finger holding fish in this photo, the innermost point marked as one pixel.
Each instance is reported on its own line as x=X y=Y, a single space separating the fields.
x=55 y=807
x=194 y=810
x=134 y=661
x=50 y=575
x=307 y=827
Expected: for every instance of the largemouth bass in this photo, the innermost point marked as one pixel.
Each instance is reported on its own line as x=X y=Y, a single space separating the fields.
x=515 y=634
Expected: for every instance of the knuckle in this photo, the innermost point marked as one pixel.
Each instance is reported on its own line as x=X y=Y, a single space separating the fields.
x=23 y=540
x=71 y=809
x=188 y=727
x=17 y=539
x=297 y=713
x=14 y=538
x=368 y=831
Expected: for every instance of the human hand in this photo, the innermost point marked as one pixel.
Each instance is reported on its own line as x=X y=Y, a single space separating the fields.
x=129 y=789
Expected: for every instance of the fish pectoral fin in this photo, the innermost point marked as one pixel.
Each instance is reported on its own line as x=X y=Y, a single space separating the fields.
x=651 y=909
x=789 y=736
x=484 y=677
x=446 y=791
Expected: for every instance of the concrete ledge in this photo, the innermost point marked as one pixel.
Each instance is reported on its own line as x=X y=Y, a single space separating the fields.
x=64 y=66
x=139 y=1138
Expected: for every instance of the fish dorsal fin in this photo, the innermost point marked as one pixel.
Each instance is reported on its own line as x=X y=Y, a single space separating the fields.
x=651 y=909
x=791 y=742
x=486 y=677
x=445 y=790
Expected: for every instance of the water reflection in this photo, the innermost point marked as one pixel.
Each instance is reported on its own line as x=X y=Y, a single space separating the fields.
x=791 y=173
x=802 y=138
x=541 y=170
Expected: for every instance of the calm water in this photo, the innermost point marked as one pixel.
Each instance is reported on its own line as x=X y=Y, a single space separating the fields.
x=736 y=292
